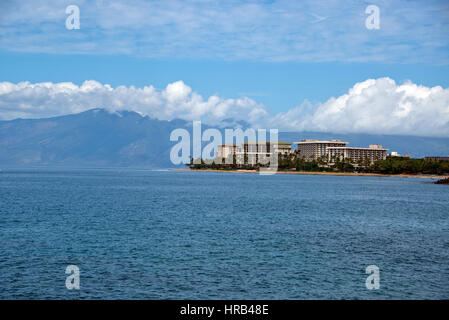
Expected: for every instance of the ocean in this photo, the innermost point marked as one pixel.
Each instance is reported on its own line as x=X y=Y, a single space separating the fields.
x=141 y=234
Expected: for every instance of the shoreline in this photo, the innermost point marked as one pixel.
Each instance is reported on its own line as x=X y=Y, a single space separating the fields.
x=322 y=173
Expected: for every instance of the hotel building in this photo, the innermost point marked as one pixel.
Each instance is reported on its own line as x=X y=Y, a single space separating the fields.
x=308 y=149
x=280 y=147
x=254 y=150
x=312 y=149
x=226 y=150
x=397 y=155
x=373 y=153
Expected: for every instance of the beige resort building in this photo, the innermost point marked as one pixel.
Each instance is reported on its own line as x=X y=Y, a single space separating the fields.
x=373 y=153
x=313 y=149
x=280 y=147
x=254 y=150
x=226 y=150
x=308 y=149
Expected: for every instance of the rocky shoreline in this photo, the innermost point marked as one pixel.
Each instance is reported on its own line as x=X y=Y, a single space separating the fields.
x=442 y=181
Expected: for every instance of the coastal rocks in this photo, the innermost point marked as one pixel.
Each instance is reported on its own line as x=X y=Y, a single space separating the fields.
x=442 y=181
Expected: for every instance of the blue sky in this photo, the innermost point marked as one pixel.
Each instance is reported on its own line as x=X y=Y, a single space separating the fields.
x=279 y=57
x=279 y=85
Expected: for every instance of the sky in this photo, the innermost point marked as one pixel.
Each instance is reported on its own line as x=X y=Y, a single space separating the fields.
x=292 y=65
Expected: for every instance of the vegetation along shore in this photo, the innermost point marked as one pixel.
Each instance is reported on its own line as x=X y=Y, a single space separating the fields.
x=391 y=166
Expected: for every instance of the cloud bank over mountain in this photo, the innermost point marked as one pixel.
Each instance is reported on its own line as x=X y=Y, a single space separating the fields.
x=177 y=100
x=374 y=106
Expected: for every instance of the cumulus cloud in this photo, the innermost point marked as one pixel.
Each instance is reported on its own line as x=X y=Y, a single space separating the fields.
x=378 y=106
x=177 y=100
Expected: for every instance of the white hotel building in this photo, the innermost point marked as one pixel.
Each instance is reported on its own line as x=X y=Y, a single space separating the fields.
x=254 y=150
x=312 y=149
x=226 y=150
x=373 y=153
x=308 y=149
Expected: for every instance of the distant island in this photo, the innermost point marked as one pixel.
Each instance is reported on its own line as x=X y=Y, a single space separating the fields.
x=99 y=138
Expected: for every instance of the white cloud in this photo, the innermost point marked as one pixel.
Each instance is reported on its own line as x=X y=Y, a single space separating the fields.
x=377 y=106
x=283 y=30
x=177 y=100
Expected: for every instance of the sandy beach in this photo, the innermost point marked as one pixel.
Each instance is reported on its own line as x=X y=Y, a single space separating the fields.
x=323 y=173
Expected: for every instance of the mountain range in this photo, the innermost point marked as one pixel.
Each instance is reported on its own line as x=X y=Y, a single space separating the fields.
x=98 y=138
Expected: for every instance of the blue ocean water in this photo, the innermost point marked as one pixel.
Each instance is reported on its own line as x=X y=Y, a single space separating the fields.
x=139 y=234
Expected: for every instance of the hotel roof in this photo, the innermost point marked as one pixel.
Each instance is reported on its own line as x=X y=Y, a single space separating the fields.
x=271 y=142
x=228 y=144
x=358 y=148
x=308 y=141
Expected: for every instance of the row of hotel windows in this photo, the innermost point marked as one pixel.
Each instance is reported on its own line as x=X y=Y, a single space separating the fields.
x=309 y=149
